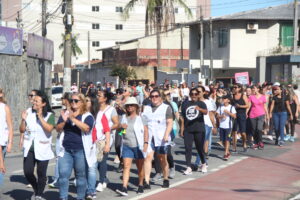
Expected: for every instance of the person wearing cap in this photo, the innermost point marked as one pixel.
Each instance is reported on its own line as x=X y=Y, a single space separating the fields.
x=135 y=143
x=225 y=114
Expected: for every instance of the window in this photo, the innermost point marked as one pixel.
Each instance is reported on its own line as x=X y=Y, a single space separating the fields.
x=96 y=44
x=95 y=26
x=119 y=26
x=95 y=8
x=223 y=37
x=176 y=10
x=286 y=35
x=119 y=9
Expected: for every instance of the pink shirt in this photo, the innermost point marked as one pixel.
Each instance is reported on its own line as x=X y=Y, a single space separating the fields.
x=257 y=106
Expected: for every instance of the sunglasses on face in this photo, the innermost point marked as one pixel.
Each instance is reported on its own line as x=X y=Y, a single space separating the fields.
x=154 y=96
x=74 y=100
x=31 y=95
x=194 y=94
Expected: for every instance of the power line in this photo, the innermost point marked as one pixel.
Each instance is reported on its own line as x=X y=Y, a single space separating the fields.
x=19 y=10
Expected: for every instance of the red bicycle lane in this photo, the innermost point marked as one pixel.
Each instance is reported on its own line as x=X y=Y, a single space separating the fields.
x=260 y=178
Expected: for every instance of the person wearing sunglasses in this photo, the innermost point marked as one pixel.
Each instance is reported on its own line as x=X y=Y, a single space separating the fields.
x=159 y=119
x=75 y=152
x=37 y=127
x=6 y=131
x=193 y=129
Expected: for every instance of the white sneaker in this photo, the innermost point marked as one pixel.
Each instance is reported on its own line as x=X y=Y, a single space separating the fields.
x=29 y=186
x=104 y=185
x=270 y=137
x=204 y=168
x=99 y=187
x=188 y=171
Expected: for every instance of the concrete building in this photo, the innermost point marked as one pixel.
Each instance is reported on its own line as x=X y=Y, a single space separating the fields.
x=240 y=38
x=102 y=20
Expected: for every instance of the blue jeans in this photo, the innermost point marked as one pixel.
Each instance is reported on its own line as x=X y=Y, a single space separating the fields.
x=208 y=137
x=56 y=172
x=91 y=179
x=102 y=168
x=72 y=159
x=279 y=120
x=2 y=174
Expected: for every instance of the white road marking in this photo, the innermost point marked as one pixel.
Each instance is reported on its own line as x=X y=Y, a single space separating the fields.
x=187 y=180
x=296 y=197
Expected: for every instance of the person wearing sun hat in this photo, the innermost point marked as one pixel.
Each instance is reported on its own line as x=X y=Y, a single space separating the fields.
x=134 y=143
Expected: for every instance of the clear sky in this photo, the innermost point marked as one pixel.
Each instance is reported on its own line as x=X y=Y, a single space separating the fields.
x=224 y=7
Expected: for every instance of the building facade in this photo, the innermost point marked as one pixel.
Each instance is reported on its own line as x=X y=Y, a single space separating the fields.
x=97 y=23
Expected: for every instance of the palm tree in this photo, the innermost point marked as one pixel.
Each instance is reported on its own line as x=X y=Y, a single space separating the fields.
x=75 y=48
x=160 y=16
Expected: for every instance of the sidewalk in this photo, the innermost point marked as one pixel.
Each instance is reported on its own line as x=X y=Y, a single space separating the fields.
x=256 y=177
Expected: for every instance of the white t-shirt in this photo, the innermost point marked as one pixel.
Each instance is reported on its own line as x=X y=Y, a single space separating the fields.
x=210 y=108
x=226 y=122
x=297 y=92
x=185 y=92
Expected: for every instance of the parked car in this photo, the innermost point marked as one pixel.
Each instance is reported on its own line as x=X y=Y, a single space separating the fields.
x=57 y=93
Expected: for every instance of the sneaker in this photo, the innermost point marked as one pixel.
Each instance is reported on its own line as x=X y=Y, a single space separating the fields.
x=39 y=198
x=220 y=143
x=120 y=168
x=292 y=139
x=261 y=145
x=245 y=149
x=29 y=186
x=166 y=184
x=270 y=137
x=123 y=191
x=94 y=196
x=147 y=186
x=234 y=151
x=188 y=171
x=286 y=138
x=204 y=168
x=89 y=197
x=156 y=178
x=117 y=160
x=99 y=187
x=172 y=173
x=140 y=189
x=280 y=143
x=255 y=146
x=52 y=185
x=104 y=185
x=226 y=157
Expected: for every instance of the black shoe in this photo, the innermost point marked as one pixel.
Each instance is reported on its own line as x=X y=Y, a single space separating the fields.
x=120 y=168
x=147 y=186
x=123 y=191
x=140 y=189
x=166 y=184
x=276 y=142
x=194 y=168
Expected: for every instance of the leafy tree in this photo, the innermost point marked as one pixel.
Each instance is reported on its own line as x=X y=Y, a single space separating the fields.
x=75 y=48
x=124 y=72
x=160 y=16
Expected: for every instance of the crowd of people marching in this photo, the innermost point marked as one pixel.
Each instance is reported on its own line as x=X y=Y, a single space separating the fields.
x=141 y=122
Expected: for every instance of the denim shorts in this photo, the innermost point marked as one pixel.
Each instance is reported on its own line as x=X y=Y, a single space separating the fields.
x=225 y=134
x=160 y=149
x=132 y=152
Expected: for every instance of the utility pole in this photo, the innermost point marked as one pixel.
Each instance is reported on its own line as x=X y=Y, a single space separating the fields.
x=181 y=42
x=68 y=21
x=89 y=51
x=201 y=39
x=295 y=46
x=211 y=50
x=18 y=20
x=44 y=33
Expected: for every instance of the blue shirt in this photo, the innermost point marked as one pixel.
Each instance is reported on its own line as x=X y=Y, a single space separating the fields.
x=72 y=139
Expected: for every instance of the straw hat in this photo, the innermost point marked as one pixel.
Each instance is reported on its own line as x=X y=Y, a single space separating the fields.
x=131 y=101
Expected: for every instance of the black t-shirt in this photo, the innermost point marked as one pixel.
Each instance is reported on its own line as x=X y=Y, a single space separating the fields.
x=146 y=102
x=280 y=104
x=193 y=119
